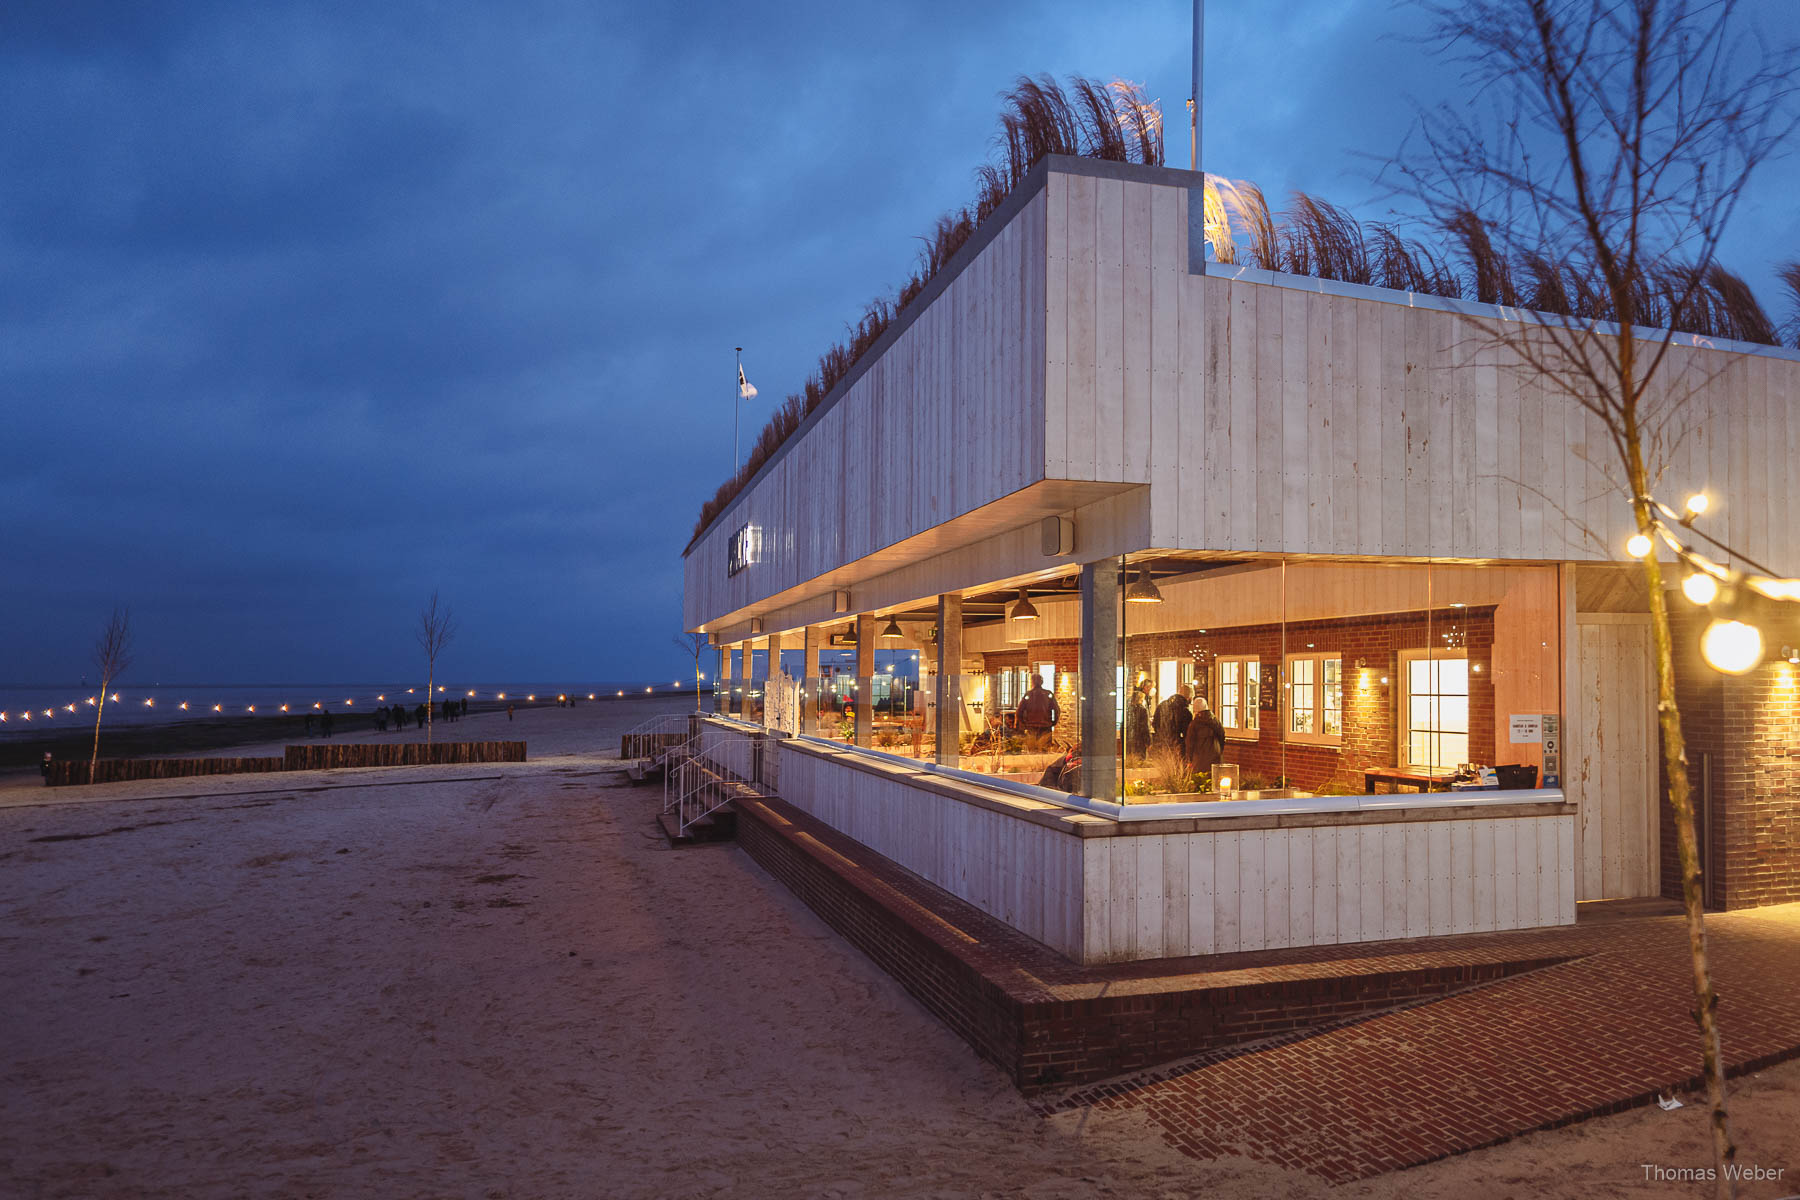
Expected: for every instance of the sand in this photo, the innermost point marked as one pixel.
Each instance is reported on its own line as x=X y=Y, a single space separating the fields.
x=499 y=982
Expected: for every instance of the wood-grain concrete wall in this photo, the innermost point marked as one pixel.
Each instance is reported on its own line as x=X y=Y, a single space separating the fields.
x=1023 y=873
x=946 y=419
x=1211 y=887
x=1164 y=895
x=1262 y=413
x=1281 y=413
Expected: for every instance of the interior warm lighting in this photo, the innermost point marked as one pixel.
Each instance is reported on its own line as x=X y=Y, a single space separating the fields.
x=1143 y=590
x=1701 y=588
x=1638 y=546
x=1023 y=610
x=1697 y=503
x=892 y=631
x=1731 y=646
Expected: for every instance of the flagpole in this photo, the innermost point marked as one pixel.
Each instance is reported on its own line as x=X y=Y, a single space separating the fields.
x=736 y=404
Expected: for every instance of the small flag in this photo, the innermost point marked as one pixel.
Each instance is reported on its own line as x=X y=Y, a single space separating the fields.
x=746 y=391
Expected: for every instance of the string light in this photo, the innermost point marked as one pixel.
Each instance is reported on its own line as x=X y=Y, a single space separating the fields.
x=1638 y=546
x=151 y=702
x=1728 y=644
x=1701 y=588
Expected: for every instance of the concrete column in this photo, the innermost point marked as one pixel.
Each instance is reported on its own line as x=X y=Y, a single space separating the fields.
x=949 y=678
x=865 y=680
x=772 y=673
x=722 y=681
x=1099 y=679
x=810 y=641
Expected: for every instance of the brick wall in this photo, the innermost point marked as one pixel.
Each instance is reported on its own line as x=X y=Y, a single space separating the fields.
x=1747 y=729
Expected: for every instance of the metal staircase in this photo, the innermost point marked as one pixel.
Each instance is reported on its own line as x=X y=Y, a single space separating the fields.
x=698 y=784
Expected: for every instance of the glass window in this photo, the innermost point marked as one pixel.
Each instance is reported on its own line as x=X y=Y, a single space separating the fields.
x=1315 y=699
x=1240 y=695
x=1435 y=708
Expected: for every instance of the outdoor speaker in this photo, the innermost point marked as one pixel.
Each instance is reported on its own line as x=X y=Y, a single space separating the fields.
x=755 y=626
x=1059 y=536
x=840 y=601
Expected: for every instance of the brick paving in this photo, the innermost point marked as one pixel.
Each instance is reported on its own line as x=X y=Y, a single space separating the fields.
x=1343 y=1061
x=1600 y=1033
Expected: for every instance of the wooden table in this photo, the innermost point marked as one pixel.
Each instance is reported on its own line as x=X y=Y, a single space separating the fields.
x=1424 y=781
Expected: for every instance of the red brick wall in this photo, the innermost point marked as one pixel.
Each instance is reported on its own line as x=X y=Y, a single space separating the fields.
x=1749 y=728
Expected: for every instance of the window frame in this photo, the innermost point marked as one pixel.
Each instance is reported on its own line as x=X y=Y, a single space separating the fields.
x=1403 y=706
x=1316 y=735
x=1238 y=733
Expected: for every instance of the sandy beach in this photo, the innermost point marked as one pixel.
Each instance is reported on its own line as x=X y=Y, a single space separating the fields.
x=500 y=982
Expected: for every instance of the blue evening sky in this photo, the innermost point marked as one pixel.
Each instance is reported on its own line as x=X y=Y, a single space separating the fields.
x=311 y=308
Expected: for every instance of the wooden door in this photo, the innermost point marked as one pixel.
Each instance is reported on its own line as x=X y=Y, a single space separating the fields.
x=1613 y=776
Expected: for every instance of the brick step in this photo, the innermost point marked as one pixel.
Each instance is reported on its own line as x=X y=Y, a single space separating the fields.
x=720 y=826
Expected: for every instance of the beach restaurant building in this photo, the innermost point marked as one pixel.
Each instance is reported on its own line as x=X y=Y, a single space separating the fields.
x=1387 y=560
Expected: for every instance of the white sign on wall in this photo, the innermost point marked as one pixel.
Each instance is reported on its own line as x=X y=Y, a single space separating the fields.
x=1527 y=727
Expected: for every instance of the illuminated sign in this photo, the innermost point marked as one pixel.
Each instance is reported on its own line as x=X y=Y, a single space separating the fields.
x=745 y=548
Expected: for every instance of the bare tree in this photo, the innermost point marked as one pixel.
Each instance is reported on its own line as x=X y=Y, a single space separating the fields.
x=437 y=628
x=694 y=643
x=1611 y=146
x=112 y=658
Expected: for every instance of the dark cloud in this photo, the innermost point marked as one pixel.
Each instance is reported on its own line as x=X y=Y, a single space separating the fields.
x=311 y=308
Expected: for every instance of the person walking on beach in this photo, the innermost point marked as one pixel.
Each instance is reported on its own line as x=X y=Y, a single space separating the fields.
x=1037 y=715
x=325 y=723
x=509 y=709
x=381 y=718
x=309 y=729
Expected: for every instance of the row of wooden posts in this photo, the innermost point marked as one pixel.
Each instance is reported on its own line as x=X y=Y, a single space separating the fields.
x=295 y=758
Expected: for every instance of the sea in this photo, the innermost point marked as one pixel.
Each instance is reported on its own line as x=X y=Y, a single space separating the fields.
x=34 y=707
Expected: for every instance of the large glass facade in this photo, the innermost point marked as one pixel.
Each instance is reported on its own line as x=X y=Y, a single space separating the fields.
x=1294 y=678
x=1233 y=680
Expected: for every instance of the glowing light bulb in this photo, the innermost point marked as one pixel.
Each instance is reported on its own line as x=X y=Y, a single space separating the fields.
x=1731 y=646
x=532 y=696
x=68 y=708
x=383 y=697
x=2 y=716
x=621 y=693
x=646 y=689
x=440 y=687
x=284 y=708
x=182 y=706
x=471 y=691
x=253 y=708
x=1701 y=588
x=347 y=703
x=27 y=716
x=1638 y=546
x=1697 y=503
x=503 y=695
x=218 y=708
x=590 y=695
